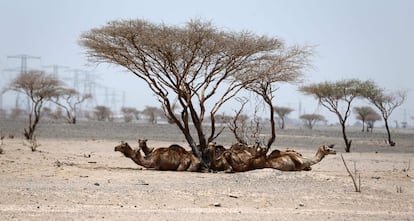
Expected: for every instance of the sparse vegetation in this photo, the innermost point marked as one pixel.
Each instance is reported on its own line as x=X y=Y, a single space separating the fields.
x=385 y=102
x=130 y=113
x=39 y=87
x=337 y=97
x=310 y=120
x=69 y=99
x=364 y=114
x=102 y=113
x=282 y=112
x=152 y=114
x=356 y=177
x=33 y=144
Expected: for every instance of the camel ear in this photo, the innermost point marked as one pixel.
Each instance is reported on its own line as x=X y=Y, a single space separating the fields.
x=331 y=145
x=122 y=142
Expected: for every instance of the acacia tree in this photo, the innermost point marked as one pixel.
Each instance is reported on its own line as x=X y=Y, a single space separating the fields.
x=311 y=119
x=69 y=99
x=282 y=112
x=103 y=113
x=337 y=98
x=363 y=113
x=185 y=65
x=385 y=102
x=39 y=87
x=152 y=113
x=129 y=113
x=286 y=65
x=371 y=119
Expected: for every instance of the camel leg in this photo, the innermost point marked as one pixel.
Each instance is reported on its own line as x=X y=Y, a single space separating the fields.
x=182 y=167
x=307 y=168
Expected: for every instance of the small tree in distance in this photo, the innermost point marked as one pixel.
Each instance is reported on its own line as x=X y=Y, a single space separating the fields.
x=310 y=120
x=152 y=113
x=129 y=113
x=103 y=113
x=337 y=97
x=385 y=102
x=282 y=112
x=40 y=88
x=69 y=99
x=362 y=115
x=371 y=119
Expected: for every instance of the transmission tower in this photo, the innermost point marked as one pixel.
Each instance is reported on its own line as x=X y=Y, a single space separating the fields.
x=55 y=69
x=23 y=61
x=75 y=78
x=23 y=70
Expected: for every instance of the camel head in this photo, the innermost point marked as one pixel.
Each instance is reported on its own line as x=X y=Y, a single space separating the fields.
x=142 y=142
x=123 y=147
x=327 y=149
x=211 y=145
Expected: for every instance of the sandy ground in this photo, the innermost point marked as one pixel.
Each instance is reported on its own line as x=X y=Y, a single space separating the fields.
x=76 y=175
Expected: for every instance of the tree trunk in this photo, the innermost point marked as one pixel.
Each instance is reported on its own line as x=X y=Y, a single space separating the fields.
x=272 y=126
x=347 y=142
x=73 y=120
x=282 y=126
x=392 y=143
x=363 y=126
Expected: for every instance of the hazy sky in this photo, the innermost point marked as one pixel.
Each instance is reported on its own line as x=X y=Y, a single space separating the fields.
x=370 y=39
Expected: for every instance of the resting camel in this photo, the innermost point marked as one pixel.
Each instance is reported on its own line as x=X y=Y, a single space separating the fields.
x=292 y=161
x=143 y=145
x=174 y=158
x=253 y=150
x=236 y=160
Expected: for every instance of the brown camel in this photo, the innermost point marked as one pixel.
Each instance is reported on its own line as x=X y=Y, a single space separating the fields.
x=174 y=158
x=236 y=160
x=143 y=145
x=292 y=161
x=253 y=150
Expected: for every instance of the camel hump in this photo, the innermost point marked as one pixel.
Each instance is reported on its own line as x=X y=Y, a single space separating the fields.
x=177 y=148
x=275 y=154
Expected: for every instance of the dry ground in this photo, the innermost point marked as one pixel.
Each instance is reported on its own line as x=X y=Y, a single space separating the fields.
x=76 y=175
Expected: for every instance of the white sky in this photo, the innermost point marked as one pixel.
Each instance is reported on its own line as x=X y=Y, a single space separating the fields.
x=370 y=39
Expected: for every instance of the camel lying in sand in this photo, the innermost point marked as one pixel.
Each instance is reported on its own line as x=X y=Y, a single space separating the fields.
x=236 y=159
x=242 y=159
x=292 y=161
x=174 y=158
x=143 y=146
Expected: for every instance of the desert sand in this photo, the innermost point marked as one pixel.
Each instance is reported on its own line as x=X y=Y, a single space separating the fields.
x=76 y=175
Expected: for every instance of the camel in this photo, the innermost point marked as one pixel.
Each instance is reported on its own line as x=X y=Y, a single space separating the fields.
x=292 y=161
x=174 y=158
x=143 y=145
x=253 y=150
x=235 y=160
x=217 y=160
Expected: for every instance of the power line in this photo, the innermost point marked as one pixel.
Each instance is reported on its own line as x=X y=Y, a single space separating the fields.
x=23 y=61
